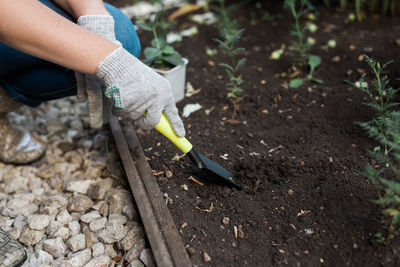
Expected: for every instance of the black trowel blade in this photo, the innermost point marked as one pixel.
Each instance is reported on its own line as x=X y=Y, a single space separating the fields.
x=211 y=172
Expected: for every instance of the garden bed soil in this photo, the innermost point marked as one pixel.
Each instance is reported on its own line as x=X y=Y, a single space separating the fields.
x=297 y=151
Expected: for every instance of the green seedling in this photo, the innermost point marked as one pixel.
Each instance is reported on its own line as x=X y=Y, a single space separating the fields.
x=386 y=178
x=301 y=43
x=229 y=45
x=300 y=46
x=313 y=62
x=160 y=54
x=380 y=94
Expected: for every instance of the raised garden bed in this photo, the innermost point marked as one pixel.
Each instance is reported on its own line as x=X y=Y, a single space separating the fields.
x=297 y=151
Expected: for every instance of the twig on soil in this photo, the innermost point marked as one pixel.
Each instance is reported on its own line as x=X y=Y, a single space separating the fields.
x=194 y=180
x=303 y=212
x=209 y=210
x=276 y=148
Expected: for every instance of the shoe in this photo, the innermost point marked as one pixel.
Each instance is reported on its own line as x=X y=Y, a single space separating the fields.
x=12 y=254
x=17 y=146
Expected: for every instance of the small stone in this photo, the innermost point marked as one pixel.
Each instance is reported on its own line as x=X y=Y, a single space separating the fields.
x=80 y=258
x=134 y=252
x=38 y=222
x=109 y=250
x=104 y=209
x=79 y=186
x=88 y=236
x=240 y=231
x=64 y=217
x=55 y=247
x=51 y=211
x=77 y=242
x=41 y=258
x=98 y=190
x=92 y=173
x=74 y=227
x=130 y=211
x=62 y=232
x=80 y=203
x=168 y=174
x=53 y=227
x=133 y=236
x=290 y=192
x=91 y=216
x=206 y=257
x=136 y=263
x=118 y=200
x=336 y=59
x=191 y=251
x=116 y=219
x=22 y=207
x=226 y=220
x=98 y=224
x=146 y=256
x=234 y=244
x=30 y=237
x=102 y=261
x=296 y=253
x=16 y=184
x=98 y=205
x=112 y=233
x=97 y=249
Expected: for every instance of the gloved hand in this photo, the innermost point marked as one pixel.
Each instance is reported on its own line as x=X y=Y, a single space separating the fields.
x=89 y=88
x=138 y=89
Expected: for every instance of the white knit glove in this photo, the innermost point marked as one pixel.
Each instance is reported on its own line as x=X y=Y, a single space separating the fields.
x=88 y=86
x=139 y=90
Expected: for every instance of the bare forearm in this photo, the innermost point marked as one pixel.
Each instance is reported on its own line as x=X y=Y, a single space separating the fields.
x=31 y=27
x=79 y=8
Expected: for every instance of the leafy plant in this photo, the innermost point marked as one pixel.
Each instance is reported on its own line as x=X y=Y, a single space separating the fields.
x=224 y=15
x=386 y=177
x=300 y=54
x=313 y=62
x=228 y=44
x=160 y=54
x=380 y=94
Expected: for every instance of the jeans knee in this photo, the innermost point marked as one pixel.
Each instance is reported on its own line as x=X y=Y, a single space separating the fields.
x=125 y=31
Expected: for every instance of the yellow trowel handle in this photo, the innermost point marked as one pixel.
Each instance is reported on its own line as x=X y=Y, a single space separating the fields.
x=165 y=128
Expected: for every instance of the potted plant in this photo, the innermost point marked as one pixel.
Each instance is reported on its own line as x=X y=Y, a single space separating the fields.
x=163 y=58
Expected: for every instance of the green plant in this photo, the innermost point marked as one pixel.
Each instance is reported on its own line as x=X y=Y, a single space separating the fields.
x=229 y=44
x=386 y=176
x=160 y=54
x=300 y=46
x=380 y=94
x=230 y=37
x=313 y=62
x=300 y=54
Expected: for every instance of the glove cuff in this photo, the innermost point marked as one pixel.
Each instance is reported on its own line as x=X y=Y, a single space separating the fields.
x=102 y=25
x=117 y=66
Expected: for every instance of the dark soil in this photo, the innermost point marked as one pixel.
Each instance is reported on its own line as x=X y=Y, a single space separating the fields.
x=296 y=151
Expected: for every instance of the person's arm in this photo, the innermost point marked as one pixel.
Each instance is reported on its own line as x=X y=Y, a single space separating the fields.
x=31 y=27
x=78 y=8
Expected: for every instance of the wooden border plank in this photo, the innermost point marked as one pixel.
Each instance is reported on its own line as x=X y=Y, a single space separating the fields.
x=168 y=226
x=165 y=241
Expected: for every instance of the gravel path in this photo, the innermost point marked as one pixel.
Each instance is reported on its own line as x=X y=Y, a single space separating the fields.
x=72 y=207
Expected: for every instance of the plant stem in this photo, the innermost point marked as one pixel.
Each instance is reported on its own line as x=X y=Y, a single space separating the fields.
x=358 y=9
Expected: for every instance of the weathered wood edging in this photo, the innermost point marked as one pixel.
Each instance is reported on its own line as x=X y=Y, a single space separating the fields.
x=165 y=241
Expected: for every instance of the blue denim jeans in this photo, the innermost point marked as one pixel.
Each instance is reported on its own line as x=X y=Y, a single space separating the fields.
x=31 y=80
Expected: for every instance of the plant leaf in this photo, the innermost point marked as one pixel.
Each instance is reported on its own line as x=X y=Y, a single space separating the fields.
x=143 y=25
x=151 y=53
x=296 y=83
x=314 y=61
x=168 y=50
x=174 y=59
